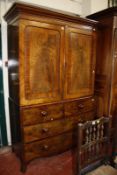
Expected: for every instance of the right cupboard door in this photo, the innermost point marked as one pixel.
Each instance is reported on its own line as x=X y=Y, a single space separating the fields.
x=79 y=62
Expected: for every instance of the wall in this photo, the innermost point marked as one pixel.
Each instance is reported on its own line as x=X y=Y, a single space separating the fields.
x=98 y=5
x=92 y=6
x=74 y=6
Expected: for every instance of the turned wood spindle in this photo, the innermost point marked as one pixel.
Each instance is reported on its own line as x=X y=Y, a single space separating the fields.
x=87 y=136
x=98 y=131
x=94 y=130
x=102 y=130
x=90 y=134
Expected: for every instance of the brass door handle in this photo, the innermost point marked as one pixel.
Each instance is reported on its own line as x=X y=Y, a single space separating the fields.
x=45 y=147
x=43 y=113
x=45 y=130
x=81 y=106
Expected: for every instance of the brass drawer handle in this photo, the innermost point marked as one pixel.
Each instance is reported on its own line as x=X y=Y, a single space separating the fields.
x=45 y=147
x=45 y=130
x=92 y=99
x=81 y=106
x=44 y=113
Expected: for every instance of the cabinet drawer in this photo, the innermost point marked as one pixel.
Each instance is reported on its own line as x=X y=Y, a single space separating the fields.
x=48 y=147
x=44 y=130
x=35 y=115
x=90 y=115
x=76 y=107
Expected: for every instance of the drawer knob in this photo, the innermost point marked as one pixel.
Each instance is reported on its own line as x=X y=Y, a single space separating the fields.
x=44 y=113
x=51 y=119
x=45 y=147
x=92 y=99
x=45 y=130
x=81 y=106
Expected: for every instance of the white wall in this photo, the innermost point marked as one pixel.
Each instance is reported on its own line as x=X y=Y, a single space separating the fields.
x=98 y=5
x=86 y=7
x=92 y=6
x=74 y=6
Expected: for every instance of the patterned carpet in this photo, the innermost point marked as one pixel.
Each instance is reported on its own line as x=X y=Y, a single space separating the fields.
x=62 y=164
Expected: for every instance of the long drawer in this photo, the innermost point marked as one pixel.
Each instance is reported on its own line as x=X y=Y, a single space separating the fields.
x=49 y=129
x=35 y=115
x=44 y=130
x=80 y=106
x=49 y=146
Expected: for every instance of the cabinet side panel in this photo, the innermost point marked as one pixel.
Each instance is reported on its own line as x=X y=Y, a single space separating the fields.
x=104 y=65
x=113 y=105
x=13 y=63
x=15 y=122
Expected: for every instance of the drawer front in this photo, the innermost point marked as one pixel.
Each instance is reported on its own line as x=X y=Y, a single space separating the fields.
x=80 y=106
x=48 y=146
x=44 y=130
x=35 y=115
x=90 y=115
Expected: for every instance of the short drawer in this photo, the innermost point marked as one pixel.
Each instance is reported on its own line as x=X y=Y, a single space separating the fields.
x=35 y=115
x=48 y=147
x=90 y=115
x=80 y=106
x=44 y=130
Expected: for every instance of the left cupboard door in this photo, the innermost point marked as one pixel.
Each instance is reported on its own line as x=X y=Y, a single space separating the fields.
x=41 y=62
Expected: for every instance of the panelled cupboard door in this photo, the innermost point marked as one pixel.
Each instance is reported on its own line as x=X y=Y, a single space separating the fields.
x=80 y=62
x=41 y=57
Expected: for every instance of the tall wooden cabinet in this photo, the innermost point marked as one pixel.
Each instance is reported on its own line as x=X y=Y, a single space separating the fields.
x=106 y=64
x=51 y=78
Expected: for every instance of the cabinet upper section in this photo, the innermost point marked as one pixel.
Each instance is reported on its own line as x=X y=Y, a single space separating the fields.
x=55 y=55
x=24 y=10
